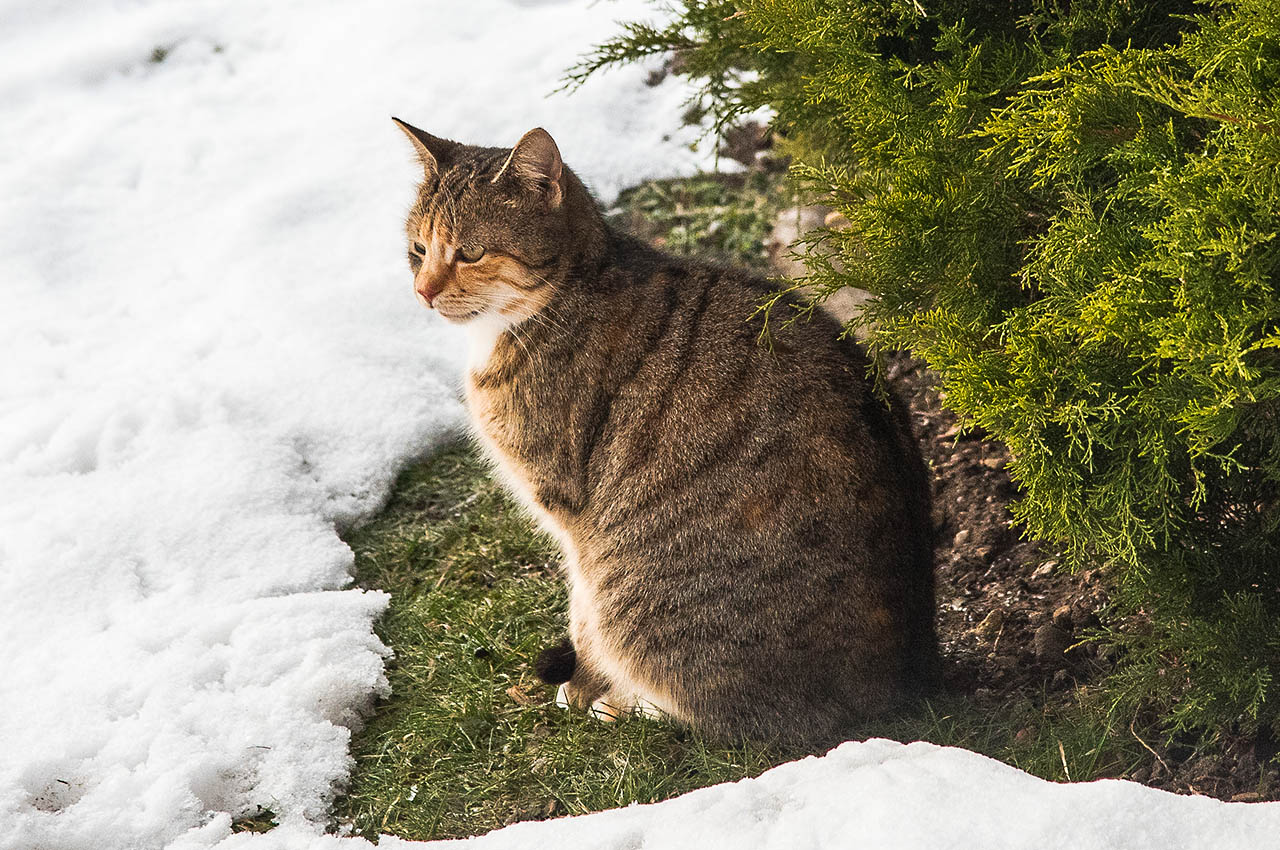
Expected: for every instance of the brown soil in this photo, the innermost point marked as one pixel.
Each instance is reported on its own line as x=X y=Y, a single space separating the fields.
x=1011 y=620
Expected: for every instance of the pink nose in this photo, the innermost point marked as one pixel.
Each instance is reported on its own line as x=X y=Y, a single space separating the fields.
x=429 y=288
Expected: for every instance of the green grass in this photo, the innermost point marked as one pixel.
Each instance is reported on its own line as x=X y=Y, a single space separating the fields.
x=723 y=216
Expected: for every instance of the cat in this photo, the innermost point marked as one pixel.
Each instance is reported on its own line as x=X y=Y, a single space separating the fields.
x=745 y=526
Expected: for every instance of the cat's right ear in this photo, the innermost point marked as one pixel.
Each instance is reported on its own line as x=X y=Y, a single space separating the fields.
x=436 y=154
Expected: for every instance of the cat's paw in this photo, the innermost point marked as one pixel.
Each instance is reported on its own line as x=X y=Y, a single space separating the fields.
x=601 y=709
x=605 y=711
x=612 y=706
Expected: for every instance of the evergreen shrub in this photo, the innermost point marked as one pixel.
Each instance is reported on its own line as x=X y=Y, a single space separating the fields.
x=1070 y=211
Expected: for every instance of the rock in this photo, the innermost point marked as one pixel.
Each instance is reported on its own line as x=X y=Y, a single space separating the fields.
x=790 y=225
x=993 y=462
x=1023 y=736
x=836 y=220
x=1046 y=569
x=1062 y=617
x=1051 y=642
x=990 y=625
x=1139 y=774
x=1205 y=768
x=962 y=537
x=1246 y=797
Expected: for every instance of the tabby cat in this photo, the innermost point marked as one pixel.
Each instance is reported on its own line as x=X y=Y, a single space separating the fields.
x=746 y=527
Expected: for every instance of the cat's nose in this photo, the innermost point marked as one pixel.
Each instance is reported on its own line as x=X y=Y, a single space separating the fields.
x=429 y=287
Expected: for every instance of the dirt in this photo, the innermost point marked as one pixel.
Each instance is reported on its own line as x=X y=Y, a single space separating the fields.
x=1009 y=617
x=1012 y=620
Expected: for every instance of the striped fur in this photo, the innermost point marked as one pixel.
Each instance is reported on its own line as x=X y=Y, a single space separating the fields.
x=745 y=527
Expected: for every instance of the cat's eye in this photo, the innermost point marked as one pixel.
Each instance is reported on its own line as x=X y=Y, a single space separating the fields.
x=470 y=253
x=419 y=248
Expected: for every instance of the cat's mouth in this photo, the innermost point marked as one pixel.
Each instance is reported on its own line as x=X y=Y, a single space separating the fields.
x=457 y=316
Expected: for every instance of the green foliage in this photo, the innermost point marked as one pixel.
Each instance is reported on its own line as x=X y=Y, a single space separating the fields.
x=1070 y=211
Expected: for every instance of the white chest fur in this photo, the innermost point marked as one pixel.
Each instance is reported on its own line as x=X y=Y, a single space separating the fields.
x=488 y=426
x=482 y=333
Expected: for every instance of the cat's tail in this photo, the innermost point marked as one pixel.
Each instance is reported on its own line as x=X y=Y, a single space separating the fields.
x=555 y=665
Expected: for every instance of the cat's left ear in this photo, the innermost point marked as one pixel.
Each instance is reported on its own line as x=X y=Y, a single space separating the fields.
x=535 y=163
x=436 y=154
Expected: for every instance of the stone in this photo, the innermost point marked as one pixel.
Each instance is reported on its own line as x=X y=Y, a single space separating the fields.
x=962 y=537
x=1045 y=570
x=836 y=220
x=991 y=624
x=1051 y=642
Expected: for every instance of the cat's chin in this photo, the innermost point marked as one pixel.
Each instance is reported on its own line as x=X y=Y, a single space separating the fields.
x=459 y=317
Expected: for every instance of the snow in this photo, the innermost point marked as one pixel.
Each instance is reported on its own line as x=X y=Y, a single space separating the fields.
x=883 y=795
x=211 y=360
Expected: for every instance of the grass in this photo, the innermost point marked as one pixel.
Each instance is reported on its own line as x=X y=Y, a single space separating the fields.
x=469 y=740
x=727 y=216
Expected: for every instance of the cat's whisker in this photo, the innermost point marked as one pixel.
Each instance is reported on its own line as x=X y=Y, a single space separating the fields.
x=515 y=334
x=540 y=317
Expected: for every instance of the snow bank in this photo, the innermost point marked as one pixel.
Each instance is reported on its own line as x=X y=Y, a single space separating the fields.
x=882 y=795
x=210 y=357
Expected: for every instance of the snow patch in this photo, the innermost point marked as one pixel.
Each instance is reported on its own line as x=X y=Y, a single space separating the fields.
x=211 y=359
x=883 y=795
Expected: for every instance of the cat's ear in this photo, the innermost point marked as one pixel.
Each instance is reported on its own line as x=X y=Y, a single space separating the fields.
x=435 y=153
x=535 y=163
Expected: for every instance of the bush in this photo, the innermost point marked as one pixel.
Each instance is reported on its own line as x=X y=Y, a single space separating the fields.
x=1070 y=211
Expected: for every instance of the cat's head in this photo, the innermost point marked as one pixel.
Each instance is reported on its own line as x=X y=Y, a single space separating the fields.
x=492 y=228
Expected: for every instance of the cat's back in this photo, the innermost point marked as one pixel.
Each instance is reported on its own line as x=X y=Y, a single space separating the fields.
x=697 y=375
